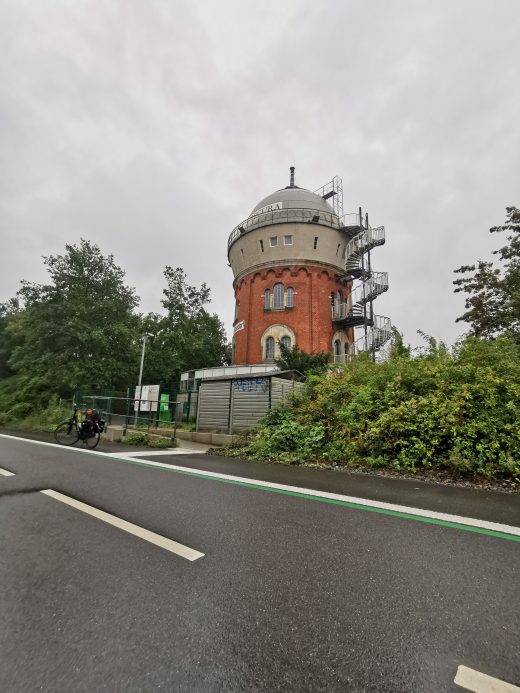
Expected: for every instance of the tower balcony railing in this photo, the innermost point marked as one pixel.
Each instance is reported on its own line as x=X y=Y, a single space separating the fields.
x=348 y=313
x=301 y=215
x=343 y=358
x=352 y=220
x=284 y=216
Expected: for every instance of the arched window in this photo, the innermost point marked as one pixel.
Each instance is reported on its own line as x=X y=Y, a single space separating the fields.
x=267 y=299
x=289 y=297
x=278 y=296
x=337 y=347
x=269 y=348
x=347 y=348
x=286 y=341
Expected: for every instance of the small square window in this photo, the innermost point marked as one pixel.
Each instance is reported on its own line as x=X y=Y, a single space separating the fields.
x=273 y=241
x=287 y=240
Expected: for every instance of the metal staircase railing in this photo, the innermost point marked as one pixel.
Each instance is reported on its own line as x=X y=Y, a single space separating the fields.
x=377 y=335
x=351 y=312
x=358 y=246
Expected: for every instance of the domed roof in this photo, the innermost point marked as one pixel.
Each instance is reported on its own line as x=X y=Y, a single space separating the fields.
x=294 y=197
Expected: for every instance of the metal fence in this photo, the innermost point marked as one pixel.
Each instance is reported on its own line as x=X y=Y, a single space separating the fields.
x=132 y=413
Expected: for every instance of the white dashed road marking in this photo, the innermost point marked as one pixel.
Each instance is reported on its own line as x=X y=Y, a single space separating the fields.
x=473 y=680
x=152 y=537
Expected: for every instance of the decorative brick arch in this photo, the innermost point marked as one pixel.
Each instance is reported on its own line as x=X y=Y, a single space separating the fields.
x=276 y=331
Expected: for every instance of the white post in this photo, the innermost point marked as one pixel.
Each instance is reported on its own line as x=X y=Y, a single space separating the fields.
x=138 y=407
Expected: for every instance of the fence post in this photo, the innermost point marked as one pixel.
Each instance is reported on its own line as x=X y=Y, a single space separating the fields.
x=127 y=410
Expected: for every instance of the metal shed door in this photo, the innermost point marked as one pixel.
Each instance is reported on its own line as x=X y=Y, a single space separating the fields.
x=214 y=405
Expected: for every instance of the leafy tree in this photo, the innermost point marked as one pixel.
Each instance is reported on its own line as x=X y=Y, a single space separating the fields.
x=493 y=293
x=7 y=340
x=80 y=328
x=188 y=336
x=294 y=358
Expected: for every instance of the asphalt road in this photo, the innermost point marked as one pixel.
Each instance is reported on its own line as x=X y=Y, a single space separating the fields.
x=291 y=594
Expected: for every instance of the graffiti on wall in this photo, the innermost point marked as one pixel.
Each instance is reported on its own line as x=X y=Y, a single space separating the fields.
x=251 y=384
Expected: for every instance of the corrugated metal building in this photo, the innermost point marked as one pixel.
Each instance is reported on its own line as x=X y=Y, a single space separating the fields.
x=234 y=403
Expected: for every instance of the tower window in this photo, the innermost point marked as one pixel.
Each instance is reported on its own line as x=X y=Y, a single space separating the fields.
x=286 y=341
x=337 y=347
x=287 y=240
x=267 y=299
x=315 y=242
x=337 y=249
x=269 y=348
x=278 y=296
x=262 y=246
x=273 y=241
x=289 y=298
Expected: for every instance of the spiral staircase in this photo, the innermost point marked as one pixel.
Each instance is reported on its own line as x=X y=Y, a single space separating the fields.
x=357 y=311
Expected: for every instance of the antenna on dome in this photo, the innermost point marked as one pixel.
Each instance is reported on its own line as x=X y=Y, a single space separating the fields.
x=291 y=183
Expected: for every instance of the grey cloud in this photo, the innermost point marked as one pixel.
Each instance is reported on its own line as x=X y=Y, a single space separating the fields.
x=154 y=128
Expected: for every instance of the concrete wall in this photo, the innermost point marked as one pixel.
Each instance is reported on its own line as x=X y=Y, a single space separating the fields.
x=246 y=253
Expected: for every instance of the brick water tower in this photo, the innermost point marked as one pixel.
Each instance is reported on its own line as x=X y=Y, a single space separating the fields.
x=294 y=261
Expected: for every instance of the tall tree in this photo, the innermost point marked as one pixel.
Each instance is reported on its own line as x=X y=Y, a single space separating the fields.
x=188 y=336
x=493 y=293
x=7 y=341
x=79 y=329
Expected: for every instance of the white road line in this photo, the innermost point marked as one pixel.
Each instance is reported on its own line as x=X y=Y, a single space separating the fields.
x=146 y=453
x=152 y=537
x=445 y=517
x=474 y=681
x=430 y=514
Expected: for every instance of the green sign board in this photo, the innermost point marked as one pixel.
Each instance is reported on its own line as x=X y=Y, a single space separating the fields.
x=164 y=407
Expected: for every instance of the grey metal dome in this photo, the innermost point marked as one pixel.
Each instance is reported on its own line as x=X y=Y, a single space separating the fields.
x=293 y=197
x=288 y=206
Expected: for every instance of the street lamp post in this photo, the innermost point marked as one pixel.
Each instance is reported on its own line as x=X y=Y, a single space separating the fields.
x=138 y=407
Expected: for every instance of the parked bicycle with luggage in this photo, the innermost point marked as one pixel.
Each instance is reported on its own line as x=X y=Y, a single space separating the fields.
x=87 y=428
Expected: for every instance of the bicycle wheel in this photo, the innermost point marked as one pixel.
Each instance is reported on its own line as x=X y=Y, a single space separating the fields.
x=92 y=440
x=66 y=433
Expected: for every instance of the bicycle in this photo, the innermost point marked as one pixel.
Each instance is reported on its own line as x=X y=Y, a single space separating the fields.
x=88 y=431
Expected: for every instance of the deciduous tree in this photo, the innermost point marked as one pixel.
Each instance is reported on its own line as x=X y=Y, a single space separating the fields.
x=493 y=293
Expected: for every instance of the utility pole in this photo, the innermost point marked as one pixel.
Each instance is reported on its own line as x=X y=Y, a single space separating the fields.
x=371 y=300
x=363 y=279
x=138 y=407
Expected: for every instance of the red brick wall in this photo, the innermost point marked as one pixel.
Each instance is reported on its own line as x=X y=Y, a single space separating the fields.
x=310 y=319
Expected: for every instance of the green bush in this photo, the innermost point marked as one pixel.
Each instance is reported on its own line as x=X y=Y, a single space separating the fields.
x=457 y=409
x=135 y=438
x=159 y=442
x=141 y=438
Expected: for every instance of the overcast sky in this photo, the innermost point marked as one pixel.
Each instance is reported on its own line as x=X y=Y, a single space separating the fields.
x=153 y=128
